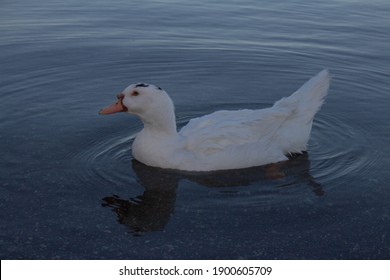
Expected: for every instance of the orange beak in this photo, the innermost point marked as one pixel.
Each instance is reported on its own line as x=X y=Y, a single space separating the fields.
x=116 y=107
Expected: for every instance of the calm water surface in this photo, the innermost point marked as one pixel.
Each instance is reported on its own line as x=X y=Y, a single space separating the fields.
x=70 y=188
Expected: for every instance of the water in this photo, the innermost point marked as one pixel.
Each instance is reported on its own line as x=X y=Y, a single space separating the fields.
x=70 y=188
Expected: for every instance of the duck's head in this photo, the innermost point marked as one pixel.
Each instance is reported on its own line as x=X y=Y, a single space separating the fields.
x=147 y=101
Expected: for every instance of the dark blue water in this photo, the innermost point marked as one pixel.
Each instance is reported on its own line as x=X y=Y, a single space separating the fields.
x=70 y=188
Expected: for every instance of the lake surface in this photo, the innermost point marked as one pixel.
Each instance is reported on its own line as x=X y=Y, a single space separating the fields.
x=70 y=188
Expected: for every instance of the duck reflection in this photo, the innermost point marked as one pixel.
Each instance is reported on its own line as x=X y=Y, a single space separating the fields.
x=152 y=210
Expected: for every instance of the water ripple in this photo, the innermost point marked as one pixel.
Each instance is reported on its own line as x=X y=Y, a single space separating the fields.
x=106 y=158
x=338 y=149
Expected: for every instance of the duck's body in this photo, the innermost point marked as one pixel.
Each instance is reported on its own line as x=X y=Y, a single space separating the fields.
x=224 y=139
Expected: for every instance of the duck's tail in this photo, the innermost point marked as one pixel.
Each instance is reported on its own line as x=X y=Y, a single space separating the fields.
x=302 y=106
x=309 y=97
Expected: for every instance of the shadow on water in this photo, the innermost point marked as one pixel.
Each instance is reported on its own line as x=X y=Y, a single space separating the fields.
x=152 y=210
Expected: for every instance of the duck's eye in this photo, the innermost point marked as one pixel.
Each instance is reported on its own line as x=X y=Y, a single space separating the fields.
x=135 y=93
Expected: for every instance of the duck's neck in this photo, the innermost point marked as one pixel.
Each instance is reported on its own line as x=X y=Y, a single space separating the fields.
x=165 y=125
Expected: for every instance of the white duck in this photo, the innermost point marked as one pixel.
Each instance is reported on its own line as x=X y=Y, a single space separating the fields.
x=223 y=139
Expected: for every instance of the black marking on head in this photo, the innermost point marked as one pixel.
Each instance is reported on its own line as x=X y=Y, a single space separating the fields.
x=159 y=88
x=141 y=85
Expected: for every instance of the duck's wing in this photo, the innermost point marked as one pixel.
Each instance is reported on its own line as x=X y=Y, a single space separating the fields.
x=224 y=130
x=281 y=129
